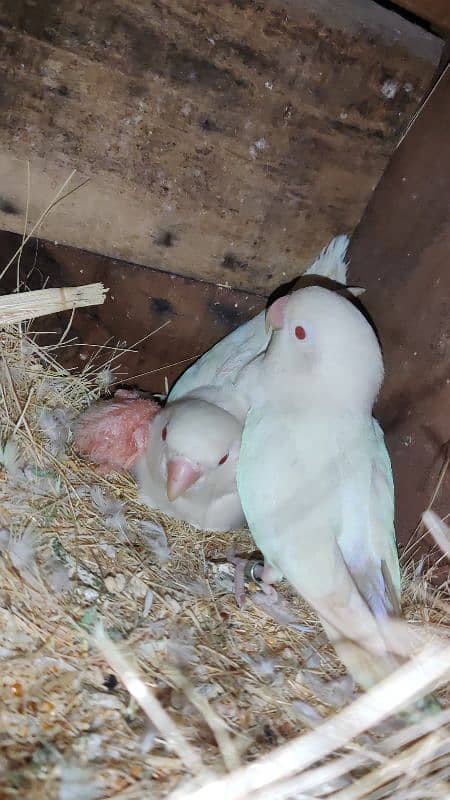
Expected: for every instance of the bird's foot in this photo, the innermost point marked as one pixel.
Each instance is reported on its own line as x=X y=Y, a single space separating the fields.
x=239 y=575
x=263 y=575
x=251 y=570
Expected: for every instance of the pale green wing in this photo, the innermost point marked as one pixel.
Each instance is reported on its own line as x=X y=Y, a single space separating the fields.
x=221 y=364
x=367 y=533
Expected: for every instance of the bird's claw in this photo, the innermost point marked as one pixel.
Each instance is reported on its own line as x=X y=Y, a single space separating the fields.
x=250 y=570
x=269 y=590
x=239 y=576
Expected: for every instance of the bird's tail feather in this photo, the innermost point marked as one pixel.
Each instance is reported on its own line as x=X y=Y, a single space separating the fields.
x=331 y=263
x=368 y=668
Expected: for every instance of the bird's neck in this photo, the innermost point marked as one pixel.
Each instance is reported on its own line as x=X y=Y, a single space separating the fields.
x=296 y=393
x=330 y=388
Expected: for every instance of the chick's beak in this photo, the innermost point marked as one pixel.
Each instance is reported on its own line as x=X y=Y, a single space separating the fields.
x=181 y=474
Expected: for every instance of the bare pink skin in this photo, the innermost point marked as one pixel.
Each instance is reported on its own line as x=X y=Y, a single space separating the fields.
x=114 y=433
x=275 y=313
x=181 y=475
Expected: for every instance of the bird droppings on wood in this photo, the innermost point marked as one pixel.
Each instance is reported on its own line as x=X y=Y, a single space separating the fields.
x=63 y=91
x=226 y=313
x=166 y=239
x=162 y=306
x=208 y=124
x=8 y=207
x=232 y=262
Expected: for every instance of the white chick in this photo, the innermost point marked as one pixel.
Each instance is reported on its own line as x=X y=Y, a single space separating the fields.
x=188 y=469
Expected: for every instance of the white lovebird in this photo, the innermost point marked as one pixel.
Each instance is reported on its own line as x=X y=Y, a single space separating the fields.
x=220 y=366
x=206 y=410
x=314 y=475
x=203 y=418
x=188 y=469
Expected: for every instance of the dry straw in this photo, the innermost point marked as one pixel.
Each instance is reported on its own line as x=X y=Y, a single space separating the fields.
x=128 y=671
x=23 y=306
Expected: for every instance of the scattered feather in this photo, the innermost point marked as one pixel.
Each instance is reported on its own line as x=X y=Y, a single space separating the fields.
x=58 y=576
x=148 y=602
x=112 y=509
x=56 y=427
x=4 y=539
x=181 y=648
x=439 y=531
x=90 y=595
x=335 y=693
x=44 y=482
x=105 y=378
x=89 y=618
x=148 y=740
x=156 y=540
x=109 y=550
x=21 y=550
x=310 y=656
x=278 y=610
x=263 y=667
x=420 y=567
x=106 y=504
x=77 y=783
x=198 y=587
x=11 y=459
x=306 y=712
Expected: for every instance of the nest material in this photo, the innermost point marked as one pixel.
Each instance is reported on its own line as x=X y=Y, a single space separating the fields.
x=226 y=685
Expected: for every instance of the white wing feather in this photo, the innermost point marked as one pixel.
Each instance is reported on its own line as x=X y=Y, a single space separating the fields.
x=221 y=365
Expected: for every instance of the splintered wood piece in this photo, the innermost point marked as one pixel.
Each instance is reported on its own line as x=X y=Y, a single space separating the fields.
x=28 y=305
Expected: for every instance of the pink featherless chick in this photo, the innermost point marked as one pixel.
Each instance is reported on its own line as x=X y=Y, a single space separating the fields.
x=114 y=433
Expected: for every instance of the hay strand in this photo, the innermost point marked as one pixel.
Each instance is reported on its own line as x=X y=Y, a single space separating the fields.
x=410 y=681
x=56 y=199
x=439 y=531
x=22 y=306
x=146 y=699
x=223 y=687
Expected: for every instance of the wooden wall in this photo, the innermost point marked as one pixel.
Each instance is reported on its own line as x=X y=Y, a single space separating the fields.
x=174 y=318
x=225 y=140
x=436 y=12
x=401 y=253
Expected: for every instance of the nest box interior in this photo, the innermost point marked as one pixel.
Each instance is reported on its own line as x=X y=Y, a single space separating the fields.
x=194 y=156
x=218 y=147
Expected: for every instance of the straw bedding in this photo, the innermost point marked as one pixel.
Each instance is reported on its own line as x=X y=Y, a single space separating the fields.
x=94 y=585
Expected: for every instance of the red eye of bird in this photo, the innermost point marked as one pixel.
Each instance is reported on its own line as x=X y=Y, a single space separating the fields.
x=164 y=433
x=223 y=459
x=300 y=332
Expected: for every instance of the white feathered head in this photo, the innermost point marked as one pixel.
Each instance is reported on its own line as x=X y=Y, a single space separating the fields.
x=325 y=347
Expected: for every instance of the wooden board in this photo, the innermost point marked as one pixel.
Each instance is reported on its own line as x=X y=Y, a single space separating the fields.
x=186 y=316
x=224 y=139
x=436 y=12
x=403 y=259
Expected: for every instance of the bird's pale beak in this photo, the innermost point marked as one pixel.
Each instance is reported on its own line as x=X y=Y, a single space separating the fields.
x=181 y=474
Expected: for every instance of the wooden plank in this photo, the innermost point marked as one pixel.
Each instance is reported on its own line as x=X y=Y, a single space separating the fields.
x=401 y=252
x=187 y=316
x=437 y=12
x=226 y=140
